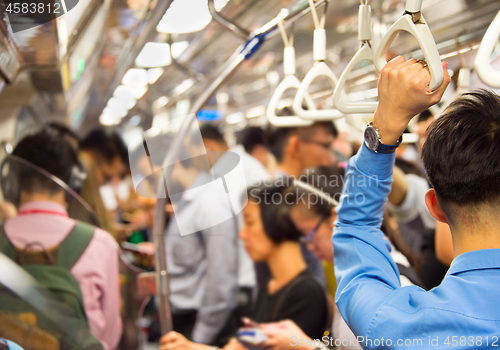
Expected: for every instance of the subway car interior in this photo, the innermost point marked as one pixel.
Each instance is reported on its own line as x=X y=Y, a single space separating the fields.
x=249 y=174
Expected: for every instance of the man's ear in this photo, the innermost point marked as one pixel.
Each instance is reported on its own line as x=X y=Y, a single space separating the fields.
x=208 y=145
x=433 y=206
x=294 y=144
x=333 y=214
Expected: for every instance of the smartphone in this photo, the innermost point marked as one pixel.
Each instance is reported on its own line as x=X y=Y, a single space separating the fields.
x=135 y=248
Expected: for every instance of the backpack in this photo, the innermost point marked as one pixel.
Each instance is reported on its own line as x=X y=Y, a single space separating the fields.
x=47 y=313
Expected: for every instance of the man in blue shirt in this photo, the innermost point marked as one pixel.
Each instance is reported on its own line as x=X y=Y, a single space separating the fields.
x=462 y=161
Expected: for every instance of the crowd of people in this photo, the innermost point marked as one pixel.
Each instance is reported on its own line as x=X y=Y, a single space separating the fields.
x=400 y=215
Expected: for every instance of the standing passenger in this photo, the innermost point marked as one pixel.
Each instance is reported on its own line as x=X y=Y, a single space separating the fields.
x=43 y=219
x=104 y=156
x=203 y=266
x=297 y=149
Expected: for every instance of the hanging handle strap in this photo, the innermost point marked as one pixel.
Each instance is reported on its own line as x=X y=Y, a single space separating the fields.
x=365 y=53
x=290 y=82
x=319 y=23
x=289 y=53
x=420 y=30
x=319 y=41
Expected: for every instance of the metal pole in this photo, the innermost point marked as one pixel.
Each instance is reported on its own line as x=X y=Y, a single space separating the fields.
x=243 y=52
x=236 y=29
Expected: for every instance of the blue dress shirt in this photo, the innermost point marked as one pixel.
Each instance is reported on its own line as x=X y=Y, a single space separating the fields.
x=461 y=313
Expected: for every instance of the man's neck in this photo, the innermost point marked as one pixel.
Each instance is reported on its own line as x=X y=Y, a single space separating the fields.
x=45 y=197
x=290 y=167
x=474 y=240
x=285 y=263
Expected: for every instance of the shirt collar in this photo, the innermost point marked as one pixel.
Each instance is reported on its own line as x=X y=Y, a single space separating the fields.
x=476 y=260
x=44 y=205
x=223 y=165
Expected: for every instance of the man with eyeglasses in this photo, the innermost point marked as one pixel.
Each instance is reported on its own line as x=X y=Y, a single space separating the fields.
x=297 y=149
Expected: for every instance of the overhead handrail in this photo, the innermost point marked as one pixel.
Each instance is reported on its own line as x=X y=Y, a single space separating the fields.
x=364 y=53
x=290 y=82
x=185 y=69
x=233 y=27
x=414 y=23
x=482 y=64
x=319 y=69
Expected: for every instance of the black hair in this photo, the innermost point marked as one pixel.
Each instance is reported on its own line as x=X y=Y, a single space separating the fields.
x=66 y=132
x=274 y=212
x=278 y=139
x=210 y=132
x=408 y=167
x=251 y=137
x=50 y=151
x=462 y=152
x=106 y=143
x=327 y=179
x=422 y=117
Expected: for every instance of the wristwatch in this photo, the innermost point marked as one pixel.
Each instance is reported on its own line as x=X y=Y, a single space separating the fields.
x=373 y=141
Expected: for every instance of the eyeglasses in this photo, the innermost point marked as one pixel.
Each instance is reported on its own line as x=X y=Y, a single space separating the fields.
x=326 y=145
x=309 y=237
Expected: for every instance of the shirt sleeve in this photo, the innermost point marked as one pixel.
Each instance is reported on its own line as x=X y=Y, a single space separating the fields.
x=110 y=299
x=221 y=281
x=366 y=274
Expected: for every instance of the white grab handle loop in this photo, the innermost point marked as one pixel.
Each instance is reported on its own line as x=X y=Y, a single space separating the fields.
x=290 y=82
x=320 y=68
x=463 y=82
x=420 y=30
x=365 y=53
x=482 y=63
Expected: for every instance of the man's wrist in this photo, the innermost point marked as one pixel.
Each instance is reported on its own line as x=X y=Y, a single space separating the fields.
x=390 y=129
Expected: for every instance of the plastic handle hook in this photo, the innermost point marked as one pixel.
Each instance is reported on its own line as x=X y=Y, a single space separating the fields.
x=422 y=33
x=482 y=63
x=365 y=53
x=413 y=6
x=339 y=97
x=290 y=82
x=319 y=69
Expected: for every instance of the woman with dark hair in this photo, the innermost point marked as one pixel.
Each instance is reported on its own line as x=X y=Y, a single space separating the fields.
x=293 y=292
x=313 y=200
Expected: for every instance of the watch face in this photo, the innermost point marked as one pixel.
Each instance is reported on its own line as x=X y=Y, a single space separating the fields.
x=371 y=138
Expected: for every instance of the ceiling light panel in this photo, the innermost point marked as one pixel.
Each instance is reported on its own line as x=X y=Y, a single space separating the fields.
x=135 y=77
x=185 y=16
x=154 y=55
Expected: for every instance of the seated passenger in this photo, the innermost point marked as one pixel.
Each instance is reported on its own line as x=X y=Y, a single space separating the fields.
x=293 y=292
x=43 y=219
x=296 y=149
